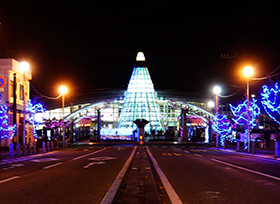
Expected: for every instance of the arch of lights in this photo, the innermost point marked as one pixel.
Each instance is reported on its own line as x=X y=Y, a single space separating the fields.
x=111 y=109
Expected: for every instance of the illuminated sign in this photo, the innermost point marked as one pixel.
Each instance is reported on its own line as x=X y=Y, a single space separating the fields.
x=2 y=82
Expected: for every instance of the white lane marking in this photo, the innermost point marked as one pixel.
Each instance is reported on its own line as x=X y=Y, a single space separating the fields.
x=164 y=146
x=13 y=166
x=245 y=169
x=174 y=198
x=17 y=165
x=109 y=197
x=44 y=160
x=187 y=151
x=80 y=157
x=9 y=179
x=92 y=163
x=198 y=155
x=47 y=167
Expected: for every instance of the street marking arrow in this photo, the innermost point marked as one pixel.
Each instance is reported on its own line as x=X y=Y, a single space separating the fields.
x=92 y=163
x=102 y=158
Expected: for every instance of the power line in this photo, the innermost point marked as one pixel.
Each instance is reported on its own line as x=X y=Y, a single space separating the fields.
x=97 y=24
x=52 y=98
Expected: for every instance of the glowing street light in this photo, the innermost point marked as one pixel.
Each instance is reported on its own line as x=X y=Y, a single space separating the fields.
x=248 y=71
x=24 y=66
x=62 y=91
x=211 y=104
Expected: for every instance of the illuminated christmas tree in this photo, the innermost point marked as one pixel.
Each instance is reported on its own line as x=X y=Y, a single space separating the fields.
x=241 y=116
x=5 y=129
x=35 y=115
x=221 y=124
x=140 y=100
x=271 y=101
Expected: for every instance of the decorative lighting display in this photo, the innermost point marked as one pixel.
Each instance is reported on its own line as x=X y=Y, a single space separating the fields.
x=241 y=117
x=271 y=101
x=123 y=133
x=221 y=124
x=5 y=129
x=140 y=102
x=56 y=124
x=35 y=115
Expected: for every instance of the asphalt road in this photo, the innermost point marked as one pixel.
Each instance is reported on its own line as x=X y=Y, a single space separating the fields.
x=201 y=175
x=85 y=174
x=82 y=175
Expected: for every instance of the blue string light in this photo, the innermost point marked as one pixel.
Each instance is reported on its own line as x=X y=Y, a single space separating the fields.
x=5 y=129
x=221 y=125
x=271 y=101
x=241 y=116
x=32 y=112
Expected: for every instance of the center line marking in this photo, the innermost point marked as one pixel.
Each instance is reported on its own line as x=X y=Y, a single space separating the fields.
x=47 y=167
x=245 y=169
x=198 y=155
x=9 y=179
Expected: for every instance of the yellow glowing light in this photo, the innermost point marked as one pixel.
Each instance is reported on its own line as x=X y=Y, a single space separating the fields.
x=63 y=89
x=140 y=56
x=24 y=66
x=248 y=71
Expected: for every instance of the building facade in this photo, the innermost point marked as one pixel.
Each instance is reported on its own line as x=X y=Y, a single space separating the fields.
x=15 y=88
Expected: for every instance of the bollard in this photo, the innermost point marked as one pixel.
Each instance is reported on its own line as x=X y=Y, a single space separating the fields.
x=276 y=149
x=238 y=145
x=48 y=146
x=11 y=150
x=17 y=149
x=254 y=147
x=43 y=147
x=29 y=148
x=34 y=147
x=51 y=145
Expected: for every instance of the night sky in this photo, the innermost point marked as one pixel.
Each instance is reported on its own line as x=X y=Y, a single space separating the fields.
x=92 y=45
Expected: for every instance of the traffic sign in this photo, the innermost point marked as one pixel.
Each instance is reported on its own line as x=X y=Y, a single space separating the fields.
x=2 y=81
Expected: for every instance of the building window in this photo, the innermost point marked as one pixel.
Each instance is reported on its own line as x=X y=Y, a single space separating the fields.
x=21 y=92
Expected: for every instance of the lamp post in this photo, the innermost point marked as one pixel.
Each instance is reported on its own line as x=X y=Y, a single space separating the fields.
x=24 y=66
x=63 y=90
x=248 y=71
x=217 y=91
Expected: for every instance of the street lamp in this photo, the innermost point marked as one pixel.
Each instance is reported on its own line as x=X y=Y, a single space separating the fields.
x=24 y=66
x=63 y=90
x=248 y=71
x=217 y=91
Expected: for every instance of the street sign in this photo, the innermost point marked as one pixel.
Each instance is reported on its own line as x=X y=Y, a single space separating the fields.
x=2 y=82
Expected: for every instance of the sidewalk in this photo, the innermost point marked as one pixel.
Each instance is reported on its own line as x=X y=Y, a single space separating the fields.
x=5 y=153
x=261 y=153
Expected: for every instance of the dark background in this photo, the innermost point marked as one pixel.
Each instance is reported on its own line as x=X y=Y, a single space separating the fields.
x=91 y=45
